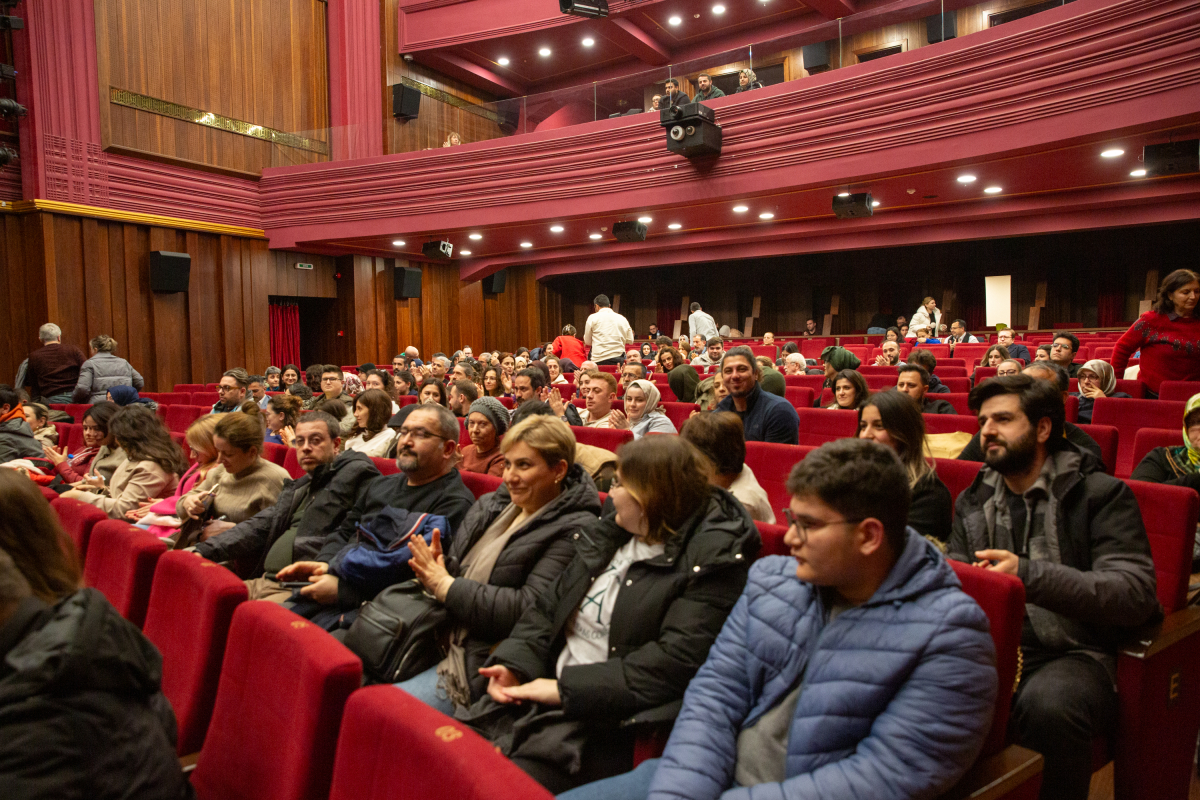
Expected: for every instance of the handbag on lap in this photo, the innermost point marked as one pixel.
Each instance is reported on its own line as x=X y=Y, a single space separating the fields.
x=396 y=634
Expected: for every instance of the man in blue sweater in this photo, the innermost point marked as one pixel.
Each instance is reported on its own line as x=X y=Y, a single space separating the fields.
x=855 y=668
x=766 y=417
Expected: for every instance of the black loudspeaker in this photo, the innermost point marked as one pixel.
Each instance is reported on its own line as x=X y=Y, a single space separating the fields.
x=816 y=57
x=1172 y=158
x=407 y=283
x=494 y=283
x=169 y=272
x=406 y=102
x=855 y=205
x=632 y=231
x=941 y=27
x=510 y=117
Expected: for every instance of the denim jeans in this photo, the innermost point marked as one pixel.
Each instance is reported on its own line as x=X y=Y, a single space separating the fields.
x=424 y=687
x=633 y=785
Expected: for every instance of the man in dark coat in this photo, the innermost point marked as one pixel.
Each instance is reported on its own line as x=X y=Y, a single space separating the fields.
x=1044 y=511
x=913 y=380
x=16 y=437
x=766 y=417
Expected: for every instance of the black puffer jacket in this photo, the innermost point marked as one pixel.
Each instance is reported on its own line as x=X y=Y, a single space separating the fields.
x=331 y=490
x=81 y=714
x=531 y=561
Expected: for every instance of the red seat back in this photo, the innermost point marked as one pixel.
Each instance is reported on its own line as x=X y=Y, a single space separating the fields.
x=772 y=539
x=120 y=563
x=981 y=374
x=206 y=399
x=877 y=383
x=77 y=410
x=188 y=387
x=944 y=371
x=1106 y=436
x=284 y=683
x=275 y=453
x=871 y=369
x=956 y=399
x=821 y=425
x=814 y=382
x=1170 y=515
x=178 y=418
x=939 y=351
x=191 y=605
x=678 y=413
x=1135 y=389
x=291 y=463
x=957 y=385
x=77 y=520
x=772 y=463
x=770 y=351
x=957 y=475
x=799 y=396
x=386 y=466
x=1129 y=415
x=172 y=398
x=1149 y=438
x=443 y=757
x=211 y=387
x=1002 y=598
x=480 y=483
x=608 y=438
x=1178 y=391
x=74 y=441
x=464 y=438
x=567 y=390
x=950 y=423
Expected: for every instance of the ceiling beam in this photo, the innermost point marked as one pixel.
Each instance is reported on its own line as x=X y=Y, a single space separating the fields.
x=635 y=41
x=471 y=73
x=832 y=9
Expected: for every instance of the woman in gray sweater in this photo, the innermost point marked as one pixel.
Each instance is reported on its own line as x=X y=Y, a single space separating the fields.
x=103 y=371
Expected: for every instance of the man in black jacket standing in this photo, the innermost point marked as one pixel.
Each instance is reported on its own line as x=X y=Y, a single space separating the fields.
x=1044 y=511
x=294 y=529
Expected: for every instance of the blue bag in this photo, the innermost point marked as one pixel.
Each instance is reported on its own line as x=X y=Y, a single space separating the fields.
x=379 y=558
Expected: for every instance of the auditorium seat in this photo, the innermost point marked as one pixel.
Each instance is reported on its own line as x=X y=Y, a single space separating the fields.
x=956 y=474
x=507 y=402
x=951 y=423
x=64 y=433
x=772 y=463
x=970 y=353
x=284 y=683
x=939 y=351
x=74 y=441
x=871 y=369
x=442 y=757
x=814 y=382
x=772 y=538
x=181 y=440
x=1149 y=438
x=212 y=387
x=171 y=398
x=77 y=520
x=1109 y=440
x=386 y=466
x=275 y=453
x=77 y=410
x=178 y=418
x=1071 y=406
x=956 y=399
x=1130 y=415
x=480 y=483
x=770 y=351
x=188 y=387
x=567 y=390
x=406 y=400
x=291 y=463
x=877 y=383
x=865 y=352
x=957 y=385
x=665 y=393
x=799 y=396
x=981 y=374
x=120 y=563
x=608 y=438
x=191 y=604
x=678 y=413
x=821 y=425
x=944 y=371
x=1178 y=391
x=205 y=399
x=464 y=438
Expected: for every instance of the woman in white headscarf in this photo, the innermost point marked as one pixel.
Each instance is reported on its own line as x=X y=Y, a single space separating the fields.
x=1096 y=379
x=642 y=414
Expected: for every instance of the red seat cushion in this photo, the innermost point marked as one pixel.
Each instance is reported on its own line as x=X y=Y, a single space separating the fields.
x=608 y=438
x=179 y=417
x=480 y=483
x=772 y=463
x=1127 y=416
x=821 y=425
x=1169 y=514
x=284 y=683
x=77 y=520
x=1149 y=438
x=957 y=475
x=120 y=563
x=191 y=605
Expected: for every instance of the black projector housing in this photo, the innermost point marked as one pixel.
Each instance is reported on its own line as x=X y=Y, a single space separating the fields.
x=856 y=205
x=692 y=130
x=584 y=8
x=632 y=231
x=1172 y=158
x=441 y=251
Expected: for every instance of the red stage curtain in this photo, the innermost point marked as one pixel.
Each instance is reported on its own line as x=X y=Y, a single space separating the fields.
x=285 y=334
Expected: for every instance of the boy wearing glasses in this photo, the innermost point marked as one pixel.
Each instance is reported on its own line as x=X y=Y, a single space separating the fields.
x=855 y=668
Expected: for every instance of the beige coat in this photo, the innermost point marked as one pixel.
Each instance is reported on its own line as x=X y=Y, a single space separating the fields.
x=133 y=483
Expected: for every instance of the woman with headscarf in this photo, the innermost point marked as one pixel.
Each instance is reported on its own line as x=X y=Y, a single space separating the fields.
x=642 y=414
x=1176 y=466
x=127 y=395
x=683 y=380
x=837 y=359
x=1096 y=379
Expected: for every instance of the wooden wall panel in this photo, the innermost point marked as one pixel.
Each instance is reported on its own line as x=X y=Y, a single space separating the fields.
x=259 y=61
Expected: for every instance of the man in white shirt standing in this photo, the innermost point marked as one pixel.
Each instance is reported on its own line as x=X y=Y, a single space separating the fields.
x=607 y=333
x=701 y=324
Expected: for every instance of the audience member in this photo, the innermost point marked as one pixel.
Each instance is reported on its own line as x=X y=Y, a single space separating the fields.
x=630 y=372
x=1096 y=379
x=433 y=391
x=232 y=389
x=528 y=385
x=600 y=392
x=795 y=364
x=151 y=468
x=493 y=385
x=892 y=419
x=606 y=333
x=554 y=367
x=452 y=140
x=836 y=360
x=928 y=360
x=683 y=380
x=772 y=379
x=600 y=463
x=461 y=394
x=766 y=418
x=289 y=376
x=747 y=80
x=1005 y=338
x=38 y=417
x=712 y=355
x=903 y=331
x=53 y=370
x=1044 y=511
x=271 y=376
x=889 y=355
x=676 y=549
x=1063 y=351
x=647 y=352
x=127 y=395
x=701 y=324
x=673 y=95
x=413 y=357
x=655 y=103
x=312 y=377
x=927 y=316
x=81 y=708
x=569 y=346
x=16 y=434
x=721 y=438
x=1043 y=353
x=1008 y=366
x=281 y=415
x=994 y=357
x=892 y=335
x=959 y=335
x=102 y=371
x=513 y=546
x=258 y=390
x=1177 y=466
x=668 y=358
x=100 y=455
x=487 y=421
x=767 y=713
x=371 y=435
x=642 y=414
x=913 y=380
x=810 y=328
x=1167 y=336
x=849 y=390
x=653 y=332
x=384 y=381
x=159 y=517
x=705 y=89
x=352 y=385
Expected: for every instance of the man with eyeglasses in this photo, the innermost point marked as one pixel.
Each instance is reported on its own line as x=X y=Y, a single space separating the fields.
x=232 y=389
x=428 y=482
x=333 y=388
x=854 y=664
x=1063 y=350
x=1005 y=339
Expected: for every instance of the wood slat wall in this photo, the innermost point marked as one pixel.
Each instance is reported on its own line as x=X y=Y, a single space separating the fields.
x=260 y=61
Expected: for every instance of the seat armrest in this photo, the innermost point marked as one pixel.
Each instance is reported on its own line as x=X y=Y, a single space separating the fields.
x=1157 y=638
x=1014 y=772
x=666 y=713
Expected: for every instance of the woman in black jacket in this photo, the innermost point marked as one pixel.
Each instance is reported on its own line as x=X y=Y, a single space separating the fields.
x=1176 y=466
x=513 y=543
x=892 y=418
x=626 y=626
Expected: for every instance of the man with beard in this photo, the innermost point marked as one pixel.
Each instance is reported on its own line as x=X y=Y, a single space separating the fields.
x=1044 y=510
x=766 y=417
x=889 y=355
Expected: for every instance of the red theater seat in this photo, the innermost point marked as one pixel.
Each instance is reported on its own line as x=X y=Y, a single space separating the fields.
x=77 y=520
x=799 y=396
x=386 y=466
x=1149 y=438
x=679 y=413
x=275 y=453
x=608 y=438
x=950 y=423
x=1127 y=416
x=944 y=371
x=1178 y=390
x=291 y=462
x=878 y=383
x=178 y=418
x=772 y=539
x=772 y=463
x=821 y=425
x=188 y=387
x=77 y=410
x=1135 y=389
x=956 y=399
x=191 y=604
x=957 y=475
x=120 y=563
x=442 y=757
x=957 y=385
x=205 y=399
x=172 y=398
x=212 y=387
x=284 y=683
x=1107 y=437
x=480 y=483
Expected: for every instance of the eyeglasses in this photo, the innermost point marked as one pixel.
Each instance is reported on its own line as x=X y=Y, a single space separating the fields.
x=1060 y=347
x=804 y=529
x=417 y=434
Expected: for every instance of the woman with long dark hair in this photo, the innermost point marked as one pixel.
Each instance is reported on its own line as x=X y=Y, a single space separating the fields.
x=281 y=415
x=290 y=375
x=1168 y=335
x=100 y=455
x=849 y=390
x=371 y=435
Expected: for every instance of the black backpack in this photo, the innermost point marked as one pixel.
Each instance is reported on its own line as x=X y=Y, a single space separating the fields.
x=397 y=634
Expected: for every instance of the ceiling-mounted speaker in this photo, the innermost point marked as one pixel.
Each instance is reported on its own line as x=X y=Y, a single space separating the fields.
x=406 y=102
x=407 y=283
x=494 y=283
x=941 y=27
x=169 y=272
x=439 y=250
x=852 y=206
x=631 y=231
x=584 y=8
x=1172 y=158
x=816 y=57
x=510 y=117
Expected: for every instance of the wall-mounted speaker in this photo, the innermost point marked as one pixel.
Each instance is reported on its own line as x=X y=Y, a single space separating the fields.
x=169 y=272
x=852 y=206
x=407 y=283
x=941 y=27
x=816 y=57
x=406 y=102
x=1172 y=158
x=631 y=231
x=510 y=117
x=494 y=283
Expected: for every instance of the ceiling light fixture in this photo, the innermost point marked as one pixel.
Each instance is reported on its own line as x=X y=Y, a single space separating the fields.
x=545 y=51
x=502 y=61
x=843 y=194
x=718 y=9
x=594 y=236
x=475 y=236
x=966 y=178
x=1113 y=153
x=645 y=220
x=464 y=252
x=674 y=21
x=674 y=226
x=588 y=42
x=398 y=243
x=741 y=209
x=993 y=190
x=1138 y=173
x=766 y=215
x=556 y=228
x=526 y=244
x=874 y=204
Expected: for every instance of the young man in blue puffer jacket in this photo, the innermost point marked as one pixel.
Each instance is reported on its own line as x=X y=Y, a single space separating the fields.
x=856 y=668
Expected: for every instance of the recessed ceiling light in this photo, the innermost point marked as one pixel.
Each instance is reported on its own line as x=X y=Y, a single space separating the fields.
x=556 y=228
x=464 y=252
x=874 y=204
x=718 y=9
x=645 y=220
x=526 y=244
x=843 y=194
x=1138 y=173
x=1113 y=153
x=475 y=236
x=398 y=243
x=966 y=178
x=766 y=215
x=674 y=21
x=741 y=209
x=502 y=61
x=545 y=51
x=588 y=42
x=594 y=236
x=993 y=190
x=674 y=226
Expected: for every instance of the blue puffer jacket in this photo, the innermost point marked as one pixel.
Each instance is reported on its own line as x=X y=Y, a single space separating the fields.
x=896 y=699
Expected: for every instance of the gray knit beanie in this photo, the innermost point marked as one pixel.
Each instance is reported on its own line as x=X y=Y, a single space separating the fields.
x=495 y=411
